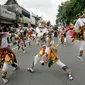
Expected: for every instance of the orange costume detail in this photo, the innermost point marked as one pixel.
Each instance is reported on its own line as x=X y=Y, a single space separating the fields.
x=51 y=55
x=29 y=34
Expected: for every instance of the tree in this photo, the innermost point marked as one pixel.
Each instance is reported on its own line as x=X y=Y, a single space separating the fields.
x=55 y=27
x=69 y=11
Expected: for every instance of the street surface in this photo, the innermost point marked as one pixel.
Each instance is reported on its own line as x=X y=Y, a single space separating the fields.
x=45 y=75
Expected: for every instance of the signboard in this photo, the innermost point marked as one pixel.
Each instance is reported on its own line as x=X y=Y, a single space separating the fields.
x=7 y=14
x=33 y=21
x=21 y=20
x=26 y=19
x=19 y=10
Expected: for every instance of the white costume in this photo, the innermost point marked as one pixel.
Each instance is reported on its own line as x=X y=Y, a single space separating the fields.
x=4 y=43
x=80 y=23
x=40 y=34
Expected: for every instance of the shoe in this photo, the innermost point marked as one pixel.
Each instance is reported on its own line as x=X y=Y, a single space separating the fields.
x=42 y=63
x=70 y=77
x=17 y=50
x=37 y=43
x=73 y=40
x=23 y=51
x=25 y=45
x=5 y=81
x=80 y=58
x=65 y=45
x=30 y=69
x=16 y=68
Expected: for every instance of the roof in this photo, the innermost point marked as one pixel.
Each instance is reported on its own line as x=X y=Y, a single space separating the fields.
x=11 y=2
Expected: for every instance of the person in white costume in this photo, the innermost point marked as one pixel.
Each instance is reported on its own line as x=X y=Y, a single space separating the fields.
x=41 y=31
x=48 y=56
x=80 y=27
x=7 y=55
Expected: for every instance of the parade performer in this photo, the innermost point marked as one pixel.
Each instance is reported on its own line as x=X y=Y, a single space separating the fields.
x=62 y=35
x=65 y=39
x=33 y=35
x=21 y=41
x=4 y=51
x=48 y=55
x=41 y=31
x=80 y=32
x=29 y=36
x=70 y=33
x=8 y=58
x=29 y=33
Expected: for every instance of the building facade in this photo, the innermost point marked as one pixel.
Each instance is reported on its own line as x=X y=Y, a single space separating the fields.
x=13 y=12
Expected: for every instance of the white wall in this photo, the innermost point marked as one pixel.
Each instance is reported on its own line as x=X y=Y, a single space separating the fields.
x=7 y=14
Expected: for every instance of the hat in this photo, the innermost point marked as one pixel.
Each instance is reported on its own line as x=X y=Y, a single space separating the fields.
x=43 y=23
x=40 y=25
x=72 y=27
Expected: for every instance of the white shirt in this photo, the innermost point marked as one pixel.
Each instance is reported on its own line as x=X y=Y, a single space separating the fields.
x=4 y=42
x=44 y=30
x=16 y=35
x=47 y=49
x=79 y=23
x=37 y=30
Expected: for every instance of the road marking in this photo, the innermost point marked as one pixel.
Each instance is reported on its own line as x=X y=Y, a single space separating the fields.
x=11 y=44
x=58 y=45
x=17 y=46
x=26 y=42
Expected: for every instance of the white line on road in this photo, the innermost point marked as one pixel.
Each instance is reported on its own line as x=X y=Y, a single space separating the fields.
x=57 y=45
x=17 y=46
x=26 y=42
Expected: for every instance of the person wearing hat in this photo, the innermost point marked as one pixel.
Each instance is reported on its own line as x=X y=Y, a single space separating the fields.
x=48 y=55
x=80 y=32
x=21 y=41
x=29 y=33
x=40 y=32
x=9 y=59
x=70 y=33
x=4 y=49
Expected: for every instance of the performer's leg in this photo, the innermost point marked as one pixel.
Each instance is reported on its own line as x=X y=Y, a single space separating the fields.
x=65 y=40
x=65 y=68
x=59 y=40
x=15 y=66
x=81 y=50
x=14 y=62
x=18 y=45
x=37 y=41
x=29 y=42
x=24 y=44
x=36 y=59
x=13 y=54
x=62 y=40
x=4 y=73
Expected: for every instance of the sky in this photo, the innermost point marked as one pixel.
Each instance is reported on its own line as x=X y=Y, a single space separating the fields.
x=48 y=9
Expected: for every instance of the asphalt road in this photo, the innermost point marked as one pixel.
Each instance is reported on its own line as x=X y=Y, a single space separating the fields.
x=45 y=75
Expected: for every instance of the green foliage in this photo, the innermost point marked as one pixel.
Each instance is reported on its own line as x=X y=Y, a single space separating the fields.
x=69 y=11
x=55 y=27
